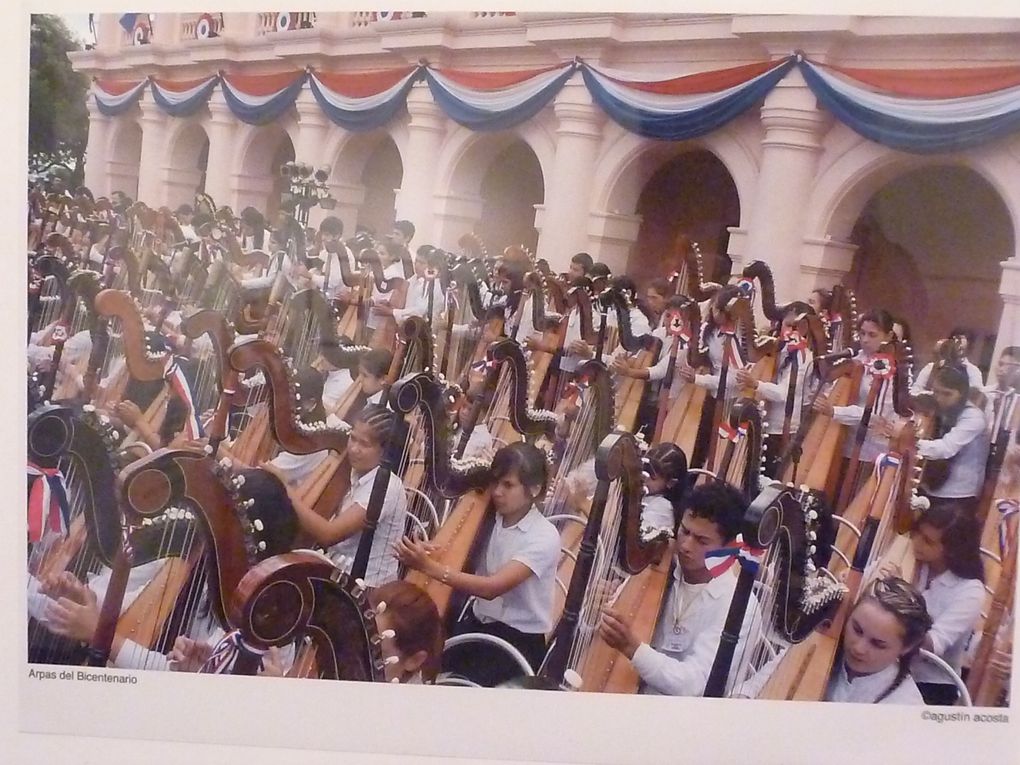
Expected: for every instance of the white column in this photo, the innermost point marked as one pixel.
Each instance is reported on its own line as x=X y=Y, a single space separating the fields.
x=220 y=172
x=824 y=263
x=312 y=128
x=612 y=239
x=95 y=151
x=1009 y=324
x=414 y=200
x=349 y=198
x=151 y=189
x=790 y=150
x=456 y=215
x=565 y=217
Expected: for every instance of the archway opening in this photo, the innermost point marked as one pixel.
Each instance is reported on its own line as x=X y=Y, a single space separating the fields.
x=284 y=153
x=381 y=177
x=189 y=158
x=692 y=194
x=510 y=189
x=930 y=244
x=125 y=159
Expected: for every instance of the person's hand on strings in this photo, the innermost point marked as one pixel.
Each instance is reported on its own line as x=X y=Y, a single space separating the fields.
x=74 y=615
x=616 y=631
x=188 y=655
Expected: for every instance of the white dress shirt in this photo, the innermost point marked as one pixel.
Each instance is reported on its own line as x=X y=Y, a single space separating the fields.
x=382 y=564
x=874 y=443
x=687 y=635
x=394 y=270
x=966 y=446
x=865 y=689
x=974 y=377
x=774 y=393
x=954 y=605
x=533 y=541
x=417 y=301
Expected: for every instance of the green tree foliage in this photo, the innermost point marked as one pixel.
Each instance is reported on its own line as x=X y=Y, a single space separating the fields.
x=57 y=117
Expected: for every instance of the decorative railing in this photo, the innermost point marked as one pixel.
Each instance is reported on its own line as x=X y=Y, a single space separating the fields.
x=284 y=21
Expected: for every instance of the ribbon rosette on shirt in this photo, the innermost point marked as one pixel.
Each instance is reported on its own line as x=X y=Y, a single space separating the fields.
x=794 y=340
x=731 y=433
x=719 y=561
x=881 y=365
x=48 y=509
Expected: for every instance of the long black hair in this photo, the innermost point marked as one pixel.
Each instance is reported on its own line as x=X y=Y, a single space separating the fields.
x=960 y=534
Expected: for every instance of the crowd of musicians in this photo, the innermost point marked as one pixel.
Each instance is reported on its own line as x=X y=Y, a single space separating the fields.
x=257 y=447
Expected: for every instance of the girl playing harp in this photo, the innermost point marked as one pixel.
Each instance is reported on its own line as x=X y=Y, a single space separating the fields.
x=883 y=635
x=514 y=582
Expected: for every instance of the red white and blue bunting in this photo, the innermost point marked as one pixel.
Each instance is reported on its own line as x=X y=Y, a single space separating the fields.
x=115 y=97
x=922 y=112
x=260 y=99
x=182 y=99
x=495 y=100
x=362 y=102
x=682 y=107
x=918 y=111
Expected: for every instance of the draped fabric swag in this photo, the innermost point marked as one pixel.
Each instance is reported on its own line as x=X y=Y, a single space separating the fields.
x=917 y=111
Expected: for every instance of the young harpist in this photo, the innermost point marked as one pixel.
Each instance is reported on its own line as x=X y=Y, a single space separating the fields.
x=341 y=534
x=686 y=638
x=515 y=580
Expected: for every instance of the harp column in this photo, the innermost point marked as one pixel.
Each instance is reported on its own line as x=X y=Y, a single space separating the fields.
x=415 y=201
x=151 y=189
x=96 y=170
x=220 y=169
x=564 y=218
x=790 y=149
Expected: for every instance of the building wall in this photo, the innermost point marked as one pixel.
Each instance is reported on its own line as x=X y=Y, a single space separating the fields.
x=797 y=180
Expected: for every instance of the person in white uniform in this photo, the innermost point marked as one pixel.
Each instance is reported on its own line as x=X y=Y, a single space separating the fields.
x=341 y=534
x=679 y=658
x=515 y=575
x=946 y=541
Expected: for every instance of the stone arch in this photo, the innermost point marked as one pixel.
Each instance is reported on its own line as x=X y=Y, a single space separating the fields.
x=462 y=167
x=629 y=161
x=465 y=156
x=942 y=223
x=260 y=151
x=124 y=153
x=631 y=165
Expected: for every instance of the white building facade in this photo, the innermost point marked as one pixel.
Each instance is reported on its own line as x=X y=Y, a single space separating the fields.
x=786 y=181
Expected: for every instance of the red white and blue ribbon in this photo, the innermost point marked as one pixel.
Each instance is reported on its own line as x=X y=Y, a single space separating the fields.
x=921 y=111
x=364 y=101
x=685 y=107
x=721 y=560
x=48 y=509
x=261 y=99
x=174 y=375
x=182 y=98
x=1007 y=507
x=114 y=97
x=224 y=655
x=495 y=100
